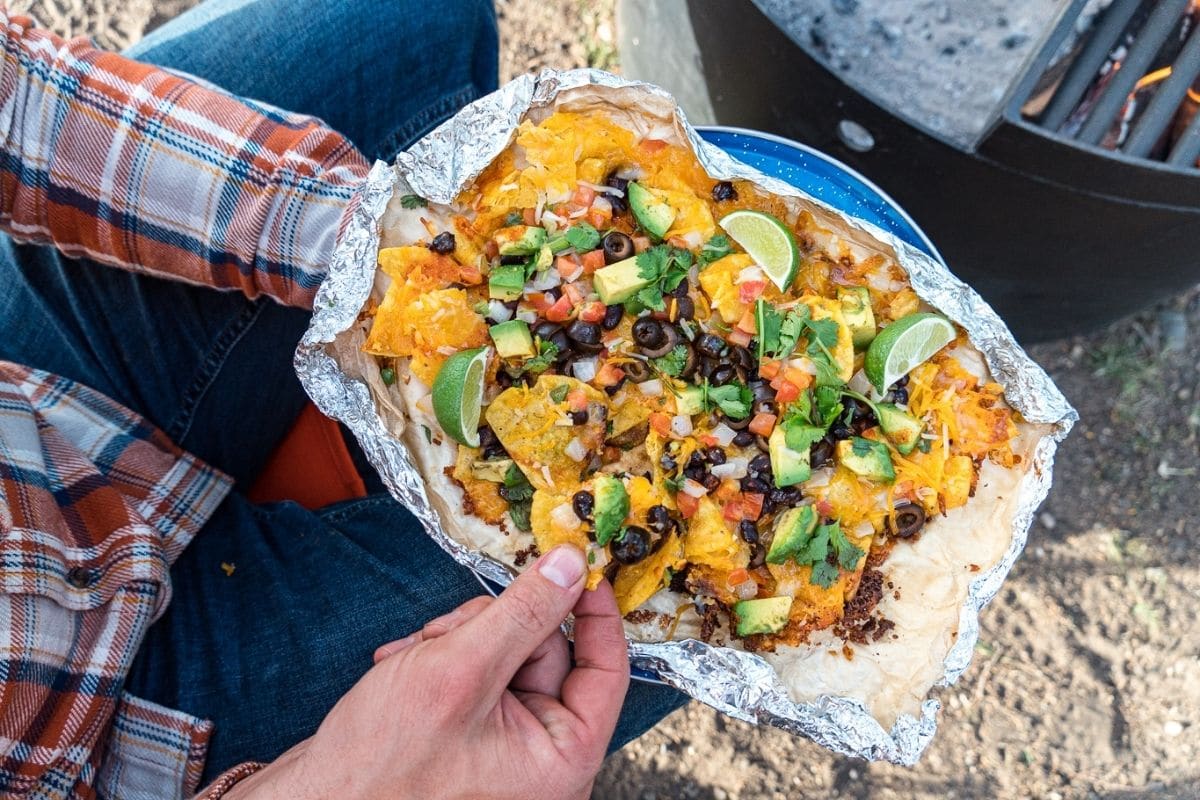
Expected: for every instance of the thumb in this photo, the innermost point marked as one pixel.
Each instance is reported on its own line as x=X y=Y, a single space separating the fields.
x=503 y=636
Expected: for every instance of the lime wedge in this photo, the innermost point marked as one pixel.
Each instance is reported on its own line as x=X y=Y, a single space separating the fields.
x=903 y=345
x=458 y=395
x=769 y=243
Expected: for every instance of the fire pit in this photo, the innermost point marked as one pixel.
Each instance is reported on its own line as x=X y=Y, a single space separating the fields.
x=1049 y=149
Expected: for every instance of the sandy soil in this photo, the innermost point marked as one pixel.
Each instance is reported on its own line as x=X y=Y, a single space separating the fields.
x=1086 y=682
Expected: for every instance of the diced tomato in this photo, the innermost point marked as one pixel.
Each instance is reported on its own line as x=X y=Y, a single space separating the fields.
x=733 y=510
x=824 y=508
x=609 y=374
x=597 y=218
x=577 y=400
x=680 y=242
x=566 y=266
x=688 y=505
x=471 y=276
x=583 y=197
x=739 y=337
x=749 y=291
x=529 y=216
x=592 y=261
x=747 y=323
x=571 y=291
x=768 y=369
x=797 y=376
x=738 y=576
x=660 y=423
x=787 y=392
x=491 y=249
x=752 y=505
x=560 y=311
x=612 y=454
x=641 y=244
x=652 y=145
x=708 y=440
x=763 y=424
x=540 y=301
x=594 y=311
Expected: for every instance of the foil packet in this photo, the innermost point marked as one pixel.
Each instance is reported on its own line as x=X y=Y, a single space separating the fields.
x=339 y=379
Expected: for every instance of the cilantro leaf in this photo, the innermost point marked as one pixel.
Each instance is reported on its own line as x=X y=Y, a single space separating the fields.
x=673 y=484
x=413 y=201
x=824 y=335
x=547 y=353
x=769 y=322
x=848 y=553
x=664 y=268
x=652 y=263
x=519 y=513
x=714 y=249
x=790 y=331
x=517 y=488
x=651 y=297
x=559 y=393
x=829 y=405
x=801 y=437
x=734 y=399
x=583 y=237
x=514 y=218
x=672 y=363
x=823 y=574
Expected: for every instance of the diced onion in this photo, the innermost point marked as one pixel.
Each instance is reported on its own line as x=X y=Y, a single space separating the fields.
x=681 y=425
x=820 y=477
x=724 y=434
x=546 y=474
x=552 y=221
x=859 y=383
x=652 y=388
x=446 y=350
x=693 y=239
x=576 y=275
x=584 y=369
x=527 y=315
x=803 y=364
x=599 y=187
x=498 y=311
x=733 y=468
x=597 y=556
x=864 y=528
x=575 y=450
x=693 y=488
x=547 y=279
x=541 y=206
x=563 y=516
x=746 y=590
x=603 y=205
x=751 y=273
x=578 y=214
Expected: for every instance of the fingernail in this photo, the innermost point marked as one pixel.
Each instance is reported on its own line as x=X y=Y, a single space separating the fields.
x=563 y=566
x=398 y=645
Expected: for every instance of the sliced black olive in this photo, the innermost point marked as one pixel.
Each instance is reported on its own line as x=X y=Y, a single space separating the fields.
x=761 y=443
x=658 y=519
x=722 y=374
x=684 y=308
x=632 y=546
x=582 y=504
x=648 y=332
x=671 y=338
x=908 y=520
x=637 y=371
x=443 y=243
x=748 y=531
x=706 y=366
x=743 y=358
x=617 y=247
x=761 y=390
x=861 y=415
x=821 y=453
x=740 y=426
x=616 y=387
x=840 y=432
x=689 y=364
x=724 y=191
x=681 y=289
x=711 y=345
x=585 y=335
x=744 y=438
x=616 y=181
x=612 y=317
x=764 y=406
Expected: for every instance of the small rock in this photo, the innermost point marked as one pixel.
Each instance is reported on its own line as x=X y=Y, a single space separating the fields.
x=1053 y=796
x=1048 y=521
x=1014 y=40
x=948 y=50
x=889 y=33
x=942 y=12
x=720 y=794
x=1172 y=728
x=845 y=7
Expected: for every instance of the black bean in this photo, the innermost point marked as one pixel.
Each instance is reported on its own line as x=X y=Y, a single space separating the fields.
x=617 y=182
x=582 y=503
x=695 y=473
x=900 y=396
x=666 y=462
x=722 y=374
x=764 y=406
x=563 y=344
x=443 y=243
x=658 y=519
x=503 y=379
x=902 y=382
x=585 y=335
x=649 y=332
x=696 y=459
x=761 y=390
x=755 y=485
x=748 y=531
x=680 y=290
x=685 y=308
x=821 y=453
x=840 y=431
x=617 y=246
x=743 y=358
x=544 y=330
x=758 y=555
x=486 y=435
x=714 y=455
x=724 y=191
x=612 y=317
x=579 y=417
x=711 y=345
x=711 y=482
x=760 y=464
x=786 y=496
x=743 y=438
x=632 y=546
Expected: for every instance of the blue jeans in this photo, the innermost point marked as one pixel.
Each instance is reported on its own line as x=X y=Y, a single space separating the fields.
x=265 y=651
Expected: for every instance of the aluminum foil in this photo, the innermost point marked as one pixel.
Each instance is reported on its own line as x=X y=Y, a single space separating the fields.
x=735 y=682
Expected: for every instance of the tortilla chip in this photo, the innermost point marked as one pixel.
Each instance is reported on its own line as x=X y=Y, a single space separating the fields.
x=637 y=583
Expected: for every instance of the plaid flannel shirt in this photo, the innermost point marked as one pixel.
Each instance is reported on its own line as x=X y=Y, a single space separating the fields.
x=136 y=167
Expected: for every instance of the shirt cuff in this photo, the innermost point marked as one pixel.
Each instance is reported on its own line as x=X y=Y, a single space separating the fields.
x=226 y=781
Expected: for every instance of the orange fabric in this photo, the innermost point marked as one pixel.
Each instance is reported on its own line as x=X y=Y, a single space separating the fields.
x=311 y=466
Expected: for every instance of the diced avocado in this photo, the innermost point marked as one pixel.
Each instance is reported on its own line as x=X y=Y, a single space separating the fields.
x=690 y=400
x=506 y=282
x=654 y=215
x=790 y=466
x=856 y=309
x=618 y=282
x=792 y=531
x=520 y=240
x=512 y=338
x=901 y=428
x=765 y=615
x=493 y=471
x=545 y=257
x=867 y=458
x=611 y=507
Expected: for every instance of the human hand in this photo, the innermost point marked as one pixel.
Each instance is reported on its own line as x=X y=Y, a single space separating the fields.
x=483 y=702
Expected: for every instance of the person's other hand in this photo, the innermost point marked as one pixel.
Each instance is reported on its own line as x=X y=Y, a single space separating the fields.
x=483 y=702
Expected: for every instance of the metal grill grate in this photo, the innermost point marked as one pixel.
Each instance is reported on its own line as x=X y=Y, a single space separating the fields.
x=1129 y=85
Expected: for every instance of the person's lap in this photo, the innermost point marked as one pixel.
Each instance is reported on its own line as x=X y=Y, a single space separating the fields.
x=266 y=649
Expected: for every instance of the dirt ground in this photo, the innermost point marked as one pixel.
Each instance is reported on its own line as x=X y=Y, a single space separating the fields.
x=1086 y=681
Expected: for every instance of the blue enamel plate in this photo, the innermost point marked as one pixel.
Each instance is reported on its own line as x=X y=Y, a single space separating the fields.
x=821 y=176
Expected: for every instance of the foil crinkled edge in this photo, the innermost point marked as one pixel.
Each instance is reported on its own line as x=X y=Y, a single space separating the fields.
x=737 y=683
